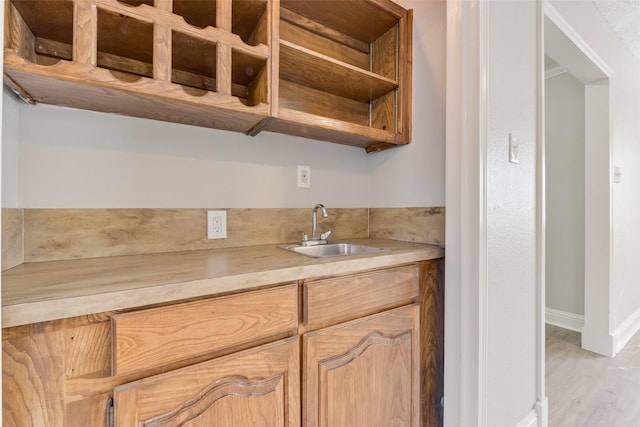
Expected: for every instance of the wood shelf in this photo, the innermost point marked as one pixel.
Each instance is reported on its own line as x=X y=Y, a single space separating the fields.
x=71 y=85
x=308 y=68
x=300 y=123
x=365 y=21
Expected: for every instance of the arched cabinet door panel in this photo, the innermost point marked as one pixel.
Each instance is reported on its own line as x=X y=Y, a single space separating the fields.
x=252 y=388
x=364 y=372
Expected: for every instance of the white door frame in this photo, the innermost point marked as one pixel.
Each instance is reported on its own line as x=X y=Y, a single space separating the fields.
x=466 y=301
x=465 y=290
x=574 y=54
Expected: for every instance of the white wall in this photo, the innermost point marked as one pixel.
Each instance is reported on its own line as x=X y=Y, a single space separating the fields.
x=10 y=124
x=565 y=193
x=625 y=107
x=511 y=212
x=71 y=158
x=492 y=320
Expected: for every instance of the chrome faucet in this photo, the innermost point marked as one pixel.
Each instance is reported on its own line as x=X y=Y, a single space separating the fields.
x=314 y=229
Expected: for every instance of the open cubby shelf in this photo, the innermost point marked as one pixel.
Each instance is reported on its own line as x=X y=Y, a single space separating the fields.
x=317 y=71
x=335 y=70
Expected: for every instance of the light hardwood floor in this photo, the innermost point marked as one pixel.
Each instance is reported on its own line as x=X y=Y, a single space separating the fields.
x=589 y=390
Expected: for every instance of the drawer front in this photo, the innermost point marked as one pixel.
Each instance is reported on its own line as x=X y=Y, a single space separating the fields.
x=160 y=336
x=330 y=301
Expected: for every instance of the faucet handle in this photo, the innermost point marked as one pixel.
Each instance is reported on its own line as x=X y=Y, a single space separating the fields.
x=324 y=236
x=305 y=238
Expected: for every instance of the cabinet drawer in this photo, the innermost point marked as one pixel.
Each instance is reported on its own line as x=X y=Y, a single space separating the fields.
x=330 y=301
x=160 y=336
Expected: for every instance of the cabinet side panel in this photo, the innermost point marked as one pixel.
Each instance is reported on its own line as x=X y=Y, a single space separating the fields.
x=384 y=61
x=384 y=112
x=88 y=350
x=18 y=35
x=384 y=55
x=432 y=341
x=405 y=77
x=33 y=380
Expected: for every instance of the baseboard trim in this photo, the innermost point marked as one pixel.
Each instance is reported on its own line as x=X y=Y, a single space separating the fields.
x=542 y=410
x=529 y=420
x=537 y=417
x=598 y=342
x=625 y=331
x=564 y=319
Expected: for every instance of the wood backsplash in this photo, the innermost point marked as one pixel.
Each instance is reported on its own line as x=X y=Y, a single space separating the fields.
x=420 y=225
x=34 y=235
x=12 y=228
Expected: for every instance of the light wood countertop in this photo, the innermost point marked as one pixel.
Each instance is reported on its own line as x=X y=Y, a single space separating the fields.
x=37 y=292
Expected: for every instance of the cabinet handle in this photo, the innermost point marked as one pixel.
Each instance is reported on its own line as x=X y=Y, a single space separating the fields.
x=110 y=412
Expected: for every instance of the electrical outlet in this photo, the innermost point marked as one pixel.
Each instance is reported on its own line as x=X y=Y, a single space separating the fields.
x=304 y=176
x=216 y=224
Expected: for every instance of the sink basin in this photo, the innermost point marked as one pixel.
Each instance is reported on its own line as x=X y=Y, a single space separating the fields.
x=333 y=249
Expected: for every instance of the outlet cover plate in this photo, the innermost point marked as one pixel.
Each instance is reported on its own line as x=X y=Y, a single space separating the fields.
x=304 y=176
x=216 y=224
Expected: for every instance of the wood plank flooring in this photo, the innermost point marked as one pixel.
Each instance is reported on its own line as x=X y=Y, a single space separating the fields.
x=589 y=390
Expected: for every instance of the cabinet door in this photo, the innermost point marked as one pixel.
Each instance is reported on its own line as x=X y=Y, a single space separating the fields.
x=253 y=388
x=364 y=373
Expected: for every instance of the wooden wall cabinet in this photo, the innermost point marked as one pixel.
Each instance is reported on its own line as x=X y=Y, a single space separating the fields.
x=366 y=351
x=204 y=63
x=334 y=70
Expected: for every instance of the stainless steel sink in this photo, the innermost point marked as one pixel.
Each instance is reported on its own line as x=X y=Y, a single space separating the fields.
x=333 y=249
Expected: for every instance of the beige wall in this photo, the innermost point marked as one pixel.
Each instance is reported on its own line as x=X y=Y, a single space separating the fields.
x=565 y=193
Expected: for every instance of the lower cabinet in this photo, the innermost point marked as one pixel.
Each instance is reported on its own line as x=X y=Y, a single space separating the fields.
x=258 y=387
x=360 y=350
x=364 y=372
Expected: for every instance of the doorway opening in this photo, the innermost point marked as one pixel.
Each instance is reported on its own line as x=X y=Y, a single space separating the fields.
x=577 y=189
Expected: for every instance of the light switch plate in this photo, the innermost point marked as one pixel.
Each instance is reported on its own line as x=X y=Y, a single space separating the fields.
x=514 y=149
x=617 y=175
